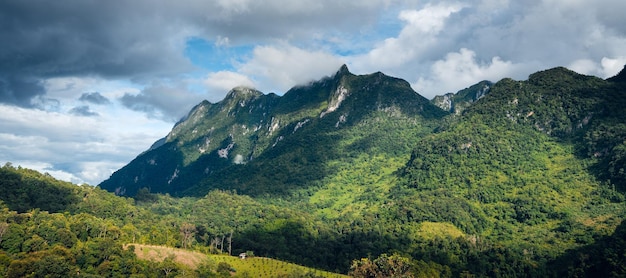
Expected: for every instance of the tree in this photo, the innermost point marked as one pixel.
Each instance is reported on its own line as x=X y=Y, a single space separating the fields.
x=56 y=262
x=130 y=232
x=4 y=227
x=230 y=243
x=383 y=266
x=168 y=266
x=224 y=269
x=187 y=232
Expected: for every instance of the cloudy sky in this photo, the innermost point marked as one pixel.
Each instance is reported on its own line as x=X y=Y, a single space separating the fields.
x=85 y=86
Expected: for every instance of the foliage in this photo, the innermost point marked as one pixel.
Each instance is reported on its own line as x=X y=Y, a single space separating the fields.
x=604 y=258
x=396 y=266
x=24 y=189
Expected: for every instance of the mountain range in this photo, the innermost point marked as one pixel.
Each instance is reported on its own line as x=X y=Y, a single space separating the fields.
x=354 y=174
x=534 y=167
x=251 y=137
x=221 y=145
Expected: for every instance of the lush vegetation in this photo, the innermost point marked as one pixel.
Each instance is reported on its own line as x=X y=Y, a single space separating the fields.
x=527 y=181
x=100 y=234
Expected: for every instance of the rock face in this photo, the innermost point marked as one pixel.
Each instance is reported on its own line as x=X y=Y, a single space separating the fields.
x=248 y=125
x=457 y=102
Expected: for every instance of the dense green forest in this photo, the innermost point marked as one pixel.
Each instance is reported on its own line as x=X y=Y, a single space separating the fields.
x=87 y=236
x=527 y=181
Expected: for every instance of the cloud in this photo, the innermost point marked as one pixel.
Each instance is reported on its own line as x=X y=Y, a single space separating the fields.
x=95 y=98
x=223 y=81
x=162 y=101
x=460 y=70
x=611 y=67
x=145 y=39
x=584 y=66
x=76 y=37
x=45 y=103
x=78 y=149
x=420 y=32
x=17 y=90
x=245 y=20
x=83 y=111
x=284 y=66
x=607 y=67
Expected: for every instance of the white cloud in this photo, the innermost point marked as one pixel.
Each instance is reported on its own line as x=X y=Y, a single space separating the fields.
x=611 y=67
x=584 y=66
x=284 y=66
x=224 y=81
x=460 y=70
x=607 y=67
x=429 y=20
x=77 y=149
x=419 y=34
x=222 y=41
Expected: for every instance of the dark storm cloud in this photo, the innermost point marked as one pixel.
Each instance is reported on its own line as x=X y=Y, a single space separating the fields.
x=83 y=111
x=19 y=91
x=59 y=38
x=44 y=39
x=145 y=39
x=95 y=98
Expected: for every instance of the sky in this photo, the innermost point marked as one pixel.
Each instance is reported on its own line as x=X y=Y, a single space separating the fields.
x=86 y=86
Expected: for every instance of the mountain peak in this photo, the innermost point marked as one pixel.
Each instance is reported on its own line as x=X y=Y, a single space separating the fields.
x=242 y=92
x=343 y=70
x=549 y=74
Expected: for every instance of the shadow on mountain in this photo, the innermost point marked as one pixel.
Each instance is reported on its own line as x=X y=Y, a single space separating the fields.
x=606 y=257
x=293 y=163
x=163 y=160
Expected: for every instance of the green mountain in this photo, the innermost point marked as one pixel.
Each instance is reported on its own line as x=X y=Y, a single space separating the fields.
x=358 y=174
x=530 y=167
x=280 y=142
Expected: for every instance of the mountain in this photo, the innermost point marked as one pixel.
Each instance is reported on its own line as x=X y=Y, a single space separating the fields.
x=524 y=152
x=455 y=103
x=529 y=174
x=583 y=110
x=304 y=128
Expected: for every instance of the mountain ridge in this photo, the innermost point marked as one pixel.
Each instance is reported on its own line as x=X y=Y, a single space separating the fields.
x=527 y=181
x=248 y=123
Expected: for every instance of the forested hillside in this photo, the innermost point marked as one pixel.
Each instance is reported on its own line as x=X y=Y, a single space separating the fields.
x=357 y=175
x=257 y=144
x=90 y=235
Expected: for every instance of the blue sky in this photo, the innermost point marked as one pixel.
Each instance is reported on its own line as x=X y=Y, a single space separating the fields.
x=86 y=86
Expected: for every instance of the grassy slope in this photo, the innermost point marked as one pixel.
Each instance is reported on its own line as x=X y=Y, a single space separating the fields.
x=256 y=266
